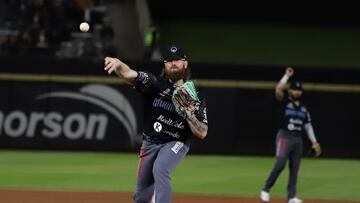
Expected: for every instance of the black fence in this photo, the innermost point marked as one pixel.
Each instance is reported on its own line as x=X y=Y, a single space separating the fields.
x=74 y=105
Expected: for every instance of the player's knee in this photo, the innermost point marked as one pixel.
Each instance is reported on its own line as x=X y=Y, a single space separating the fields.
x=279 y=167
x=159 y=171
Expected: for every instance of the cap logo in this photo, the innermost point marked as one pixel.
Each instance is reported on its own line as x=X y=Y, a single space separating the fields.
x=173 y=49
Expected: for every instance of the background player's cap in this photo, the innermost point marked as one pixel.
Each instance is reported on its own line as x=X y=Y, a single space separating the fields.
x=173 y=52
x=296 y=85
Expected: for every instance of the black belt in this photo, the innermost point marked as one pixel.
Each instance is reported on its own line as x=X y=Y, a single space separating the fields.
x=292 y=133
x=154 y=140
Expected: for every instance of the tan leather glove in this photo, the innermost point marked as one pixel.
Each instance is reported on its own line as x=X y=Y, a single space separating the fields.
x=317 y=149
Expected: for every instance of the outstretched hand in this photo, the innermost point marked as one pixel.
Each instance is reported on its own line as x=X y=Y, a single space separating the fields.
x=289 y=71
x=112 y=64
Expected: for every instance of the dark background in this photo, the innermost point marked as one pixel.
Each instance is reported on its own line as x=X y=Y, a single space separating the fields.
x=227 y=11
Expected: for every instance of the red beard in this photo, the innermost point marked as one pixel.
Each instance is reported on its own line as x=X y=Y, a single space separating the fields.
x=175 y=74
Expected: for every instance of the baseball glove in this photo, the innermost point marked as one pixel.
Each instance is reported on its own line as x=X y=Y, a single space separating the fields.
x=316 y=149
x=185 y=99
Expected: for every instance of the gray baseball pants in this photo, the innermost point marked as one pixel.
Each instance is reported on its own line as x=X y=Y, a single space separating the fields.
x=288 y=147
x=155 y=164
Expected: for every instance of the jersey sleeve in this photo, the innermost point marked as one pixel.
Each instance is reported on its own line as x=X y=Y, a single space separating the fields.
x=201 y=112
x=146 y=82
x=308 y=117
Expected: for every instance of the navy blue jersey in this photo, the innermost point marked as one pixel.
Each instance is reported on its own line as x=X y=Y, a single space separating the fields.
x=161 y=120
x=293 y=117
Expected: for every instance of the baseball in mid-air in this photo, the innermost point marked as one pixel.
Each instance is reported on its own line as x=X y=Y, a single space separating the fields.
x=84 y=27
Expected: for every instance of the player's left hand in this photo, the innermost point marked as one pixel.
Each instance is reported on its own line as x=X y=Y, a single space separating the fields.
x=185 y=101
x=317 y=149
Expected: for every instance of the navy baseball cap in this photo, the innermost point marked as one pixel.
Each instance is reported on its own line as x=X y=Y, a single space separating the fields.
x=296 y=85
x=174 y=53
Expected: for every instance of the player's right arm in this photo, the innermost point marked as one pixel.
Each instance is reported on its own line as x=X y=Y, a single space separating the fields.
x=120 y=68
x=198 y=121
x=280 y=87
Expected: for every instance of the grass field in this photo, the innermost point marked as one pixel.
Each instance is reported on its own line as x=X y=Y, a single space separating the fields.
x=229 y=175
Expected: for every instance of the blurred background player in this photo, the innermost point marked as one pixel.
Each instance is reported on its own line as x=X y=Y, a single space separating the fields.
x=295 y=119
x=166 y=135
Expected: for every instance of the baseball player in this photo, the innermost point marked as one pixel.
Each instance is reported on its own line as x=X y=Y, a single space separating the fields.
x=166 y=134
x=295 y=120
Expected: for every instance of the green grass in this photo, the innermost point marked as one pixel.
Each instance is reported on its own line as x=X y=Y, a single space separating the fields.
x=318 y=178
x=228 y=175
x=67 y=170
x=265 y=43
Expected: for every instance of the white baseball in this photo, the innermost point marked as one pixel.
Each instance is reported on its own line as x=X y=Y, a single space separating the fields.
x=84 y=27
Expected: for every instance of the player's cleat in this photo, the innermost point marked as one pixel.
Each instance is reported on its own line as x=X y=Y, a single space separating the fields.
x=295 y=200
x=264 y=196
x=152 y=198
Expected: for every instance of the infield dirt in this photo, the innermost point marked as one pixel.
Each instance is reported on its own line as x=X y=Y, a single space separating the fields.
x=54 y=196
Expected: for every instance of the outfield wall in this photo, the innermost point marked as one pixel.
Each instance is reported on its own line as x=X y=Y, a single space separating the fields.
x=74 y=105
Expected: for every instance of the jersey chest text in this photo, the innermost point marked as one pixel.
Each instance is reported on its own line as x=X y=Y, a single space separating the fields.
x=294 y=117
